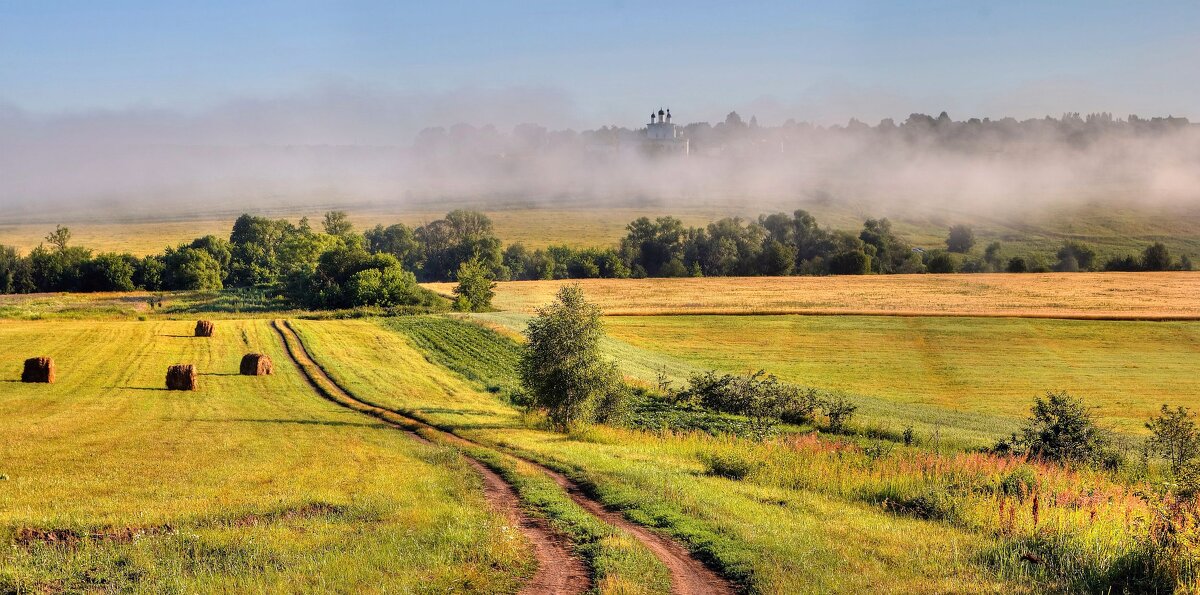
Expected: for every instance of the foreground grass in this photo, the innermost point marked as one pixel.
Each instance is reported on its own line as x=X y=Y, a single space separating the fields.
x=248 y=484
x=1077 y=295
x=774 y=540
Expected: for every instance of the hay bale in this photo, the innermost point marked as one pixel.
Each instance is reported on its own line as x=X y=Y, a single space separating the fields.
x=38 y=369
x=257 y=364
x=204 y=328
x=181 y=377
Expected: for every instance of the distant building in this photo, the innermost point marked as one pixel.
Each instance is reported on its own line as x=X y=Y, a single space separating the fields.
x=662 y=136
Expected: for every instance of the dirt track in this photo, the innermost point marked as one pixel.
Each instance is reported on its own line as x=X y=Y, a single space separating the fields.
x=559 y=570
x=688 y=575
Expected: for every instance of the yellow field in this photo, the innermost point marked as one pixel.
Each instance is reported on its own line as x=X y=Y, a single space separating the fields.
x=1172 y=295
x=536 y=228
x=248 y=484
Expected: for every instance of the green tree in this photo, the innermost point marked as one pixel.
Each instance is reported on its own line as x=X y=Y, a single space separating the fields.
x=109 y=272
x=850 y=262
x=940 y=261
x=961 y=239
x=1017 y=264
x=1062 y=428
x=337 y=224
x=1174 y=436
x=991 y=255
x=188 y=268
x=1156 y=257
x=475 y=288
x=1075 y=256
x=561 y=367
x=59 y=238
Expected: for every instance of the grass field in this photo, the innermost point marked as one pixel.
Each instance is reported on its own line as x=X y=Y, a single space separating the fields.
x=807 y=513
x=777 y=540
x=1056 y=295
x=989 y=366
x=248 y=484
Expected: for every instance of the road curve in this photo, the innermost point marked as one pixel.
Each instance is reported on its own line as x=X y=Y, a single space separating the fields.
x=559 y=570
x=688 y=575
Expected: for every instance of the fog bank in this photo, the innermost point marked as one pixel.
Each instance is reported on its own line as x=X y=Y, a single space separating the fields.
x=366 y=147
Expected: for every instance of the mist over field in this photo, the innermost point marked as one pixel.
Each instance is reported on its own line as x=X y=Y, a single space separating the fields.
x=359 y=146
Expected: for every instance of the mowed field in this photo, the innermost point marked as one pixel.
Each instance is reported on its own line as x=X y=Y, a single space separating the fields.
x=1053 y=295
x=978 y=365
x=251 y=484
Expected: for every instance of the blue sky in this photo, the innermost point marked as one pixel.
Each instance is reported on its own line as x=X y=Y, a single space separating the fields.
x=614 y=61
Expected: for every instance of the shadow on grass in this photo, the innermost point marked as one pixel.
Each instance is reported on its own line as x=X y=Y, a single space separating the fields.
x=218 y=374
x=141 y=388
x=178 y=336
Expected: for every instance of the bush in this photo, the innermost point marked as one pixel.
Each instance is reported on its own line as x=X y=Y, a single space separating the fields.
x=1017 y=264
x=838 y=410
x=940 y=262
x=1060 y=428
x=729 y=464
x=1174 y=436
x=475 y=288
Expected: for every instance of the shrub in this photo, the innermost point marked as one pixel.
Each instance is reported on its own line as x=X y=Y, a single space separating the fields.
x=940 y=262
x=1060 y=428
x=1017 y=264
x=729 y=464
x=475 y=288
x=838 y=410
x=1174 y=436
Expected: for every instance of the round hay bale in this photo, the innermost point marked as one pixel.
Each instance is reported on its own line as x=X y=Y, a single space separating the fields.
x=38 y=369
x=257 y=364
x=181 y=377
x=205 y=328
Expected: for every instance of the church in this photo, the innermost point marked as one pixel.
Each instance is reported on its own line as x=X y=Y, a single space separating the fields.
x=662 y=136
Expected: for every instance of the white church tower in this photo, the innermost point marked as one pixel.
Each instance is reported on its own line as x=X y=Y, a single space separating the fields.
x=663 y=136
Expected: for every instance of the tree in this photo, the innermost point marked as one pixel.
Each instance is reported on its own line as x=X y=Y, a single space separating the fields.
x=561 y=367
x=940 y=261
x=777 y=258
x=397 y=240
x=1017 y=264
x=475 y=288
x=961 y=239
x=188 y=268
x=337 y=224
x=1062 y=428
x=991 y=255
x=109 y=272
x=1156 y=257
x=1075 y=256
x=1174 y=436
x=59 y=237
x=460 y=237
x=850 y=262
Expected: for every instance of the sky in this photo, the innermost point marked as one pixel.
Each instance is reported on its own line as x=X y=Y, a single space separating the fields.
x=612 y=62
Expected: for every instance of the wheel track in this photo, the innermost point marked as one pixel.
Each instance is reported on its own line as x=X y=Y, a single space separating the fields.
x=558 y=569
x=688 y=575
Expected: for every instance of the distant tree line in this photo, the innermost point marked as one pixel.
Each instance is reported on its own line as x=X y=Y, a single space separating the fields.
x=336 y=267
